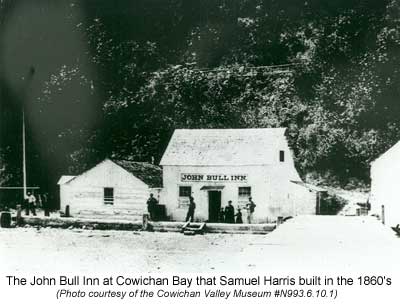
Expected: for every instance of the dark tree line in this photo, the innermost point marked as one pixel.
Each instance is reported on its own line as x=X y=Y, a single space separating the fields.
x=115 y=78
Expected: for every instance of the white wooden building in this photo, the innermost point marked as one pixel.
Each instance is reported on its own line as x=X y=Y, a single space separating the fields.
x=385 y=191
x=218 y=165
x=117 y=188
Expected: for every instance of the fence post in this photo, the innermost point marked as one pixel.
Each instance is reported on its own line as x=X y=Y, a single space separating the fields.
x=318 y=208
x=26 y=206
x=383 y=214
x=46 y=212
x=67 y=211
x=145 y=225
x=19 y=215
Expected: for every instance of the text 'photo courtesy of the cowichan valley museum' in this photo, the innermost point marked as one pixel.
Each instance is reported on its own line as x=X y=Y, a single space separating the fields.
x=200 y=152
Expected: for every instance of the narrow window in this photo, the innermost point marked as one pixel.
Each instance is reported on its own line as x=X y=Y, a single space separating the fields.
x=281 y=156
x=244 y=192
x=185 y=191
x=109 y=196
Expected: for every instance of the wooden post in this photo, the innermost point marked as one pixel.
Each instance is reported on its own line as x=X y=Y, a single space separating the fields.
x=383 y=214
x=25 y=93
x=46 y=212
x=145 y=225
x=19 y=215
x=67 y=211
x=26 y=208
x=23 y=154
x=318 y=211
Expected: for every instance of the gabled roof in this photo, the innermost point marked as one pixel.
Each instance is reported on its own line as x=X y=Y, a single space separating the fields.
x=218 y=147
x=65 y=179
x=148 y=173
x=392 y=152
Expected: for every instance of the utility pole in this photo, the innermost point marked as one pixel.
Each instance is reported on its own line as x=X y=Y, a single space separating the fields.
x=23 y=153
x=28 y=80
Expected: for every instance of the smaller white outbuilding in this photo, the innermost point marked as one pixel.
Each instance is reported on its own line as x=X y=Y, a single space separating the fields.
x=385 y=191
x=118 y=188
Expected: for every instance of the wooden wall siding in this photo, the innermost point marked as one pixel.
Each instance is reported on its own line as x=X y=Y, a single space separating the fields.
x=271 y=189
x=107 y=174
x=119 y=201
x=115 y=214
x=90 y=198
x=253 y=152
x=85 y=193
x=385 y=177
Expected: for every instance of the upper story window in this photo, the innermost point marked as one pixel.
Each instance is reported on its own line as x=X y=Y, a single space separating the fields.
x=244 y=192
x=185 y=191
x=281 y=156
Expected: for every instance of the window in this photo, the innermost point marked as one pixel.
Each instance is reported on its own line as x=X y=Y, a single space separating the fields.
x=185 y=191
x=244 y=192
x=109 y=196
x=281 y=156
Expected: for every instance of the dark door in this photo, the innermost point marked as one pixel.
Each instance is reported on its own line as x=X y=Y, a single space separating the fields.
x=214 y=205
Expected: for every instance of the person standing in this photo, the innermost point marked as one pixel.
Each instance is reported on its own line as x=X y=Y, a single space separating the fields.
x=151 y=206
x=250 y=210
x=230 y=213
x=31 y=203
x=238 y=215
x=46 y=207
x=192 y=207
x=221 y=216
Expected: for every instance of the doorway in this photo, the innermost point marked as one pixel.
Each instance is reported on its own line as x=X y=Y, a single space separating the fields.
x=214 y=205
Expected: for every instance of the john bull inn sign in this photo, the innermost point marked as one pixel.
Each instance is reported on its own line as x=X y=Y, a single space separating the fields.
x=191 y=177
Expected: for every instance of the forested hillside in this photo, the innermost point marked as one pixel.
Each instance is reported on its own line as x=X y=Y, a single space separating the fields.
x=115 y=78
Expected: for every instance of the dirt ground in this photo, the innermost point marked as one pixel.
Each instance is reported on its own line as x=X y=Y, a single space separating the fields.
x=309 y=243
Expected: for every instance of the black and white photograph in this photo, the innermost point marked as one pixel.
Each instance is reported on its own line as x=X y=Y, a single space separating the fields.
x=221 y=152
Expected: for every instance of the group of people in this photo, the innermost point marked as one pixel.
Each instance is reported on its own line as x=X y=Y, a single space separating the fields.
x=30 y=204
x=228 y=215
x=152 y=204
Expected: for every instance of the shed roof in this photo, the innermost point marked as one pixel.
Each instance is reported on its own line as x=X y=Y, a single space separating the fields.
x=65 y=179
x=148 y=173
x=310 y=186
x=208 y=147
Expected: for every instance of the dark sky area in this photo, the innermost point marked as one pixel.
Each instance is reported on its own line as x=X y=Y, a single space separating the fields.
x=38 y=37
